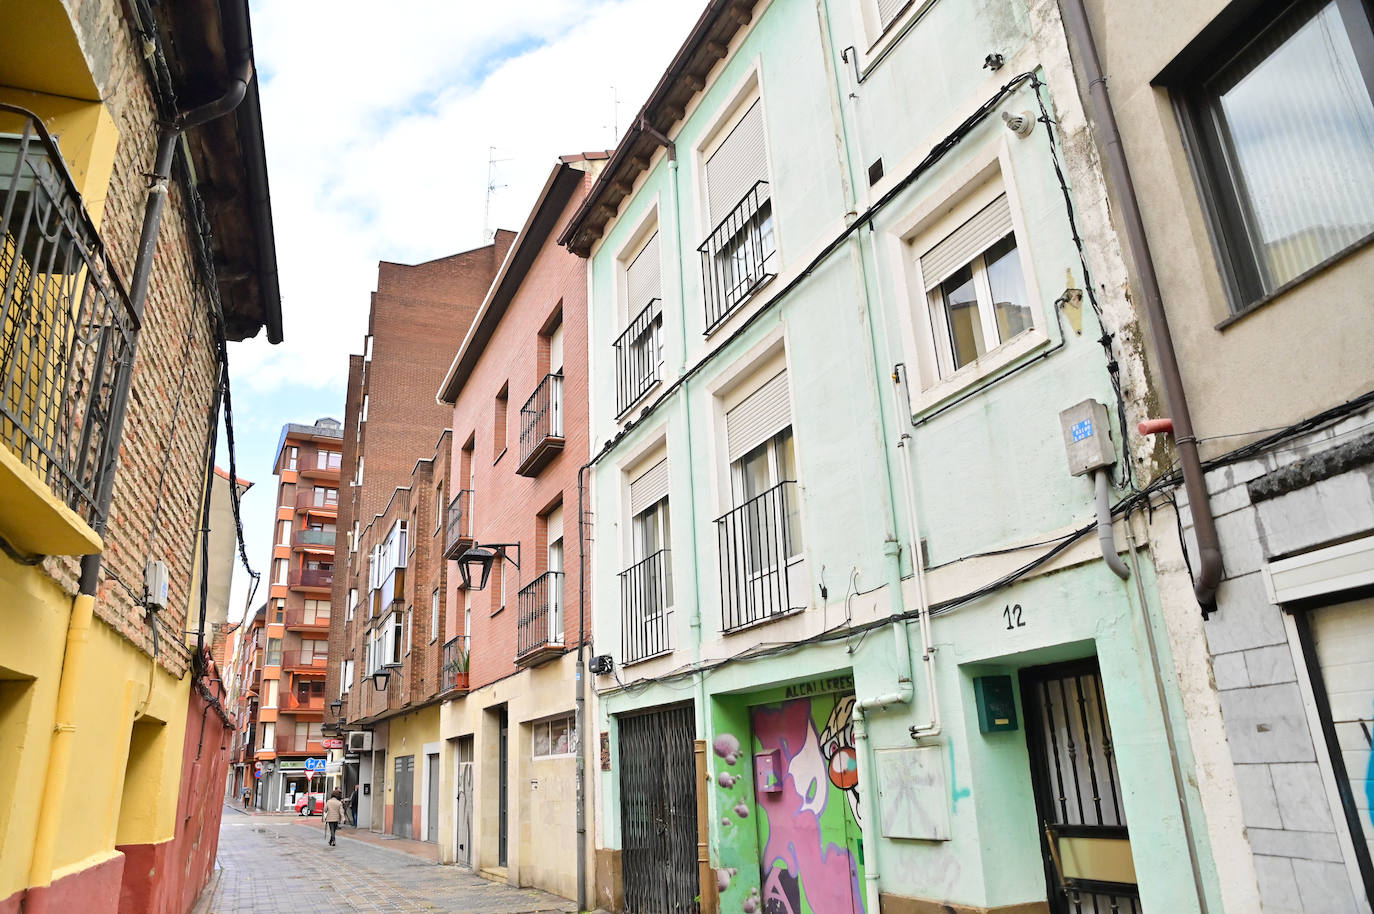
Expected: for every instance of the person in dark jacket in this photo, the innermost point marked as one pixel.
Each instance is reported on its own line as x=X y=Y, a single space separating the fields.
x=353 y=805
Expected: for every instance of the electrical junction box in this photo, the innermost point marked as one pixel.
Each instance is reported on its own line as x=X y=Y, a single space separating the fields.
x=996 y=701
x=1087 y=437
x=155 y=584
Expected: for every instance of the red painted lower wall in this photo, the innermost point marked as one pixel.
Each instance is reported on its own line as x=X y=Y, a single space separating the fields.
x=167 y=878
x=92 y=891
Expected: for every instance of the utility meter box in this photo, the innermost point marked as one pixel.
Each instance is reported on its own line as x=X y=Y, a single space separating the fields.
x=155 y=584
x=1087 y=437
x=996 y=703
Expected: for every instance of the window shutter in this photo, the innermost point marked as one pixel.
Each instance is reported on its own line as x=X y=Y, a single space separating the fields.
x=554 y=525
x=649 y=488
x=556 y=350
x=761 y=415
x=888 y=10
x=642 y=282
x=989 y=225
x=736 y=165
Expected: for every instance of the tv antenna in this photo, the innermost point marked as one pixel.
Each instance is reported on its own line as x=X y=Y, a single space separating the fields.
x=615 y=116
x=492 y=187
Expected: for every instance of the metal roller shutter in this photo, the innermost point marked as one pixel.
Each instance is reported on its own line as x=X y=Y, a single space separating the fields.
x=649 y=488
x=642 y=281
x=736 y=165
x=989 y=225
x=761 y=415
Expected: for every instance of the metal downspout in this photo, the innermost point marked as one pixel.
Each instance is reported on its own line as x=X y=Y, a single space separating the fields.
x=1108 y=136
x=580 y=701
x=1105 y=539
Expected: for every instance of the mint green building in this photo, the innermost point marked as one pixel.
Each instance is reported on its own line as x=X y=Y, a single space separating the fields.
x=853 y=430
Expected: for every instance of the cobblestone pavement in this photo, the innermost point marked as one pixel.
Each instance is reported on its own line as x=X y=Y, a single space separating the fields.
x=271 y=864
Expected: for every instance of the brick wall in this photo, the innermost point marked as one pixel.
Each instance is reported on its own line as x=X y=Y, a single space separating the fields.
x=508 y=507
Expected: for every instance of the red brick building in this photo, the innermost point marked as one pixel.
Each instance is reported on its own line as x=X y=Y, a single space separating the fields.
x=518 y=388
x=392 y=584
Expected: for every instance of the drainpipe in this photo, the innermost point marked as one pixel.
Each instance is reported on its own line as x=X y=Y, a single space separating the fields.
x=1108 y=136
x=1105 y=539
x=580 y=697
x=83 y=606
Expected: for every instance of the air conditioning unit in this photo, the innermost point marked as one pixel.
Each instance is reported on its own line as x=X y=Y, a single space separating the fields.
x=360 y=741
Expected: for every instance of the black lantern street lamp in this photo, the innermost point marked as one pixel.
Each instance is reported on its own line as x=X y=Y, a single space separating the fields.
x=475 y=564
x=335 y=707
x=379 y=680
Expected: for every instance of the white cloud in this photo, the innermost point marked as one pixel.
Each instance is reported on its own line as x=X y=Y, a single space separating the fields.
x=378 y=131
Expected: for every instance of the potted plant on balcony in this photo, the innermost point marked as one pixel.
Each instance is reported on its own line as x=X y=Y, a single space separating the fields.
x=457 y=670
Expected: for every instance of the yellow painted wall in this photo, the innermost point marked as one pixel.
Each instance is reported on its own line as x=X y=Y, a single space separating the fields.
x=407 y=735
x=86 y=135
x=100 y=801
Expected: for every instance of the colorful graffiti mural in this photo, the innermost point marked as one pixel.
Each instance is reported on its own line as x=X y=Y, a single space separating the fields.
x=806 y=791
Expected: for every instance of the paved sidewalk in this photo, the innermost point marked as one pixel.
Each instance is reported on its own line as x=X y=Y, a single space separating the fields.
x=271 y=864
x=422 y=849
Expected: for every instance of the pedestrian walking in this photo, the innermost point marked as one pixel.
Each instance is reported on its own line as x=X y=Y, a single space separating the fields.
x=333 y=813
x=353 y=805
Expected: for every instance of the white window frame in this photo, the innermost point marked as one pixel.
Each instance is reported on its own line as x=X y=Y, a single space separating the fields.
x=988 y=174
x=546 y=723
x=269 y=736
x=345 y=677
x=627 y=310
x=434 y=616
x=877 y=38
x=349 y=611
x=410 y=630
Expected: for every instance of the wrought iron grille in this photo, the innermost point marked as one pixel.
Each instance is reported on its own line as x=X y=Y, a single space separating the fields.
x=759 y=543
x=454 y=668
x=645 y=601
x=658 y=815
x=67 y=329
x=540 y=622
x=639 y=356
x=458 y=530
x=541 y=418
x=736 y=258
x=1077 y=788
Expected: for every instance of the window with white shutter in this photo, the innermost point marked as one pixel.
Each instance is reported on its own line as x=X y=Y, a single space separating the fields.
x=736 y=165
x=639 y=349
x=762 y=414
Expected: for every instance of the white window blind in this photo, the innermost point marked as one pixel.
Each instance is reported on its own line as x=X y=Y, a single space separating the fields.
x=736 y=165
x=554 y=525
x=556 y=349
x=989 y=225
x=759 y=416
x=642 y=280
x=888 y=10
x=649 y=487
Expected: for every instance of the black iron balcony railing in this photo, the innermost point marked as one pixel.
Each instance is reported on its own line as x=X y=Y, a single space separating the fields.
x=540 y=624
x=737 y=257
x=458 y=533
x=67 y=329
x=453 y=668
x=759 y=542
x=646 y=598
x=639 y=356
x=541 y=425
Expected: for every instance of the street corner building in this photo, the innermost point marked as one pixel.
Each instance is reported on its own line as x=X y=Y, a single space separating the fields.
x=114 y=732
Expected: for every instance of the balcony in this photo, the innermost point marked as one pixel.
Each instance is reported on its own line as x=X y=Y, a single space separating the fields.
x=311 y=579
x=308 y=465
x=304 y=661
x=308 y=620
x=254 y=683
x=539 y=627
x=646 y=603
x=294 y=701
x=315 y=540
x=541 y=426
x=393 y=590
x=314 y=502
x=458 y=532
x=738 y=256
x=761 y=562
x=290 y=744
x=639 y=357
x=67 y=332
x=453 y=670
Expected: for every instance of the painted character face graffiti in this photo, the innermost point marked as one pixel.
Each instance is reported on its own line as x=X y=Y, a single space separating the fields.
x=837 y=745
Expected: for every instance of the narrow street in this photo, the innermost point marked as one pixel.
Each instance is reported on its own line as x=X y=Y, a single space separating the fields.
x=282 y=863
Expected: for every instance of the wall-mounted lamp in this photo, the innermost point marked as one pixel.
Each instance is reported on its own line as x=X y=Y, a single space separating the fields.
x=379 y=680
x=335 y=707
x=476 y=562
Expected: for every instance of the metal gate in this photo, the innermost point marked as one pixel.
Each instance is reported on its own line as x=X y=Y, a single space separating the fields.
x=432 y=798
x=403 y=797
x=463 y=808
x=1084 y=841
x=503 y=791
x=658 y=808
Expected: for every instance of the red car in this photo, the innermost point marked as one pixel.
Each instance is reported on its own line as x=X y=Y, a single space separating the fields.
x=310 y=804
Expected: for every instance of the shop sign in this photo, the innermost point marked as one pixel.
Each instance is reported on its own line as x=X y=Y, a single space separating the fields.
x=333 y=744
x=291 y=764
x=842 y=683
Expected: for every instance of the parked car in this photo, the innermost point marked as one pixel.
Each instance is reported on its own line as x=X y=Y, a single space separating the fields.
x=310 y=804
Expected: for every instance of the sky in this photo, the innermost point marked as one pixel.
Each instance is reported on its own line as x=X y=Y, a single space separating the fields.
x=380 y=124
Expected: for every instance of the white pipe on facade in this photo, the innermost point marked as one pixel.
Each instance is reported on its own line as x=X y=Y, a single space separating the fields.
x=1105 y=539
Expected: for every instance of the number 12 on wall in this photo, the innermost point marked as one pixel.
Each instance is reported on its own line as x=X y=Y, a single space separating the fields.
x=1012 y=614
